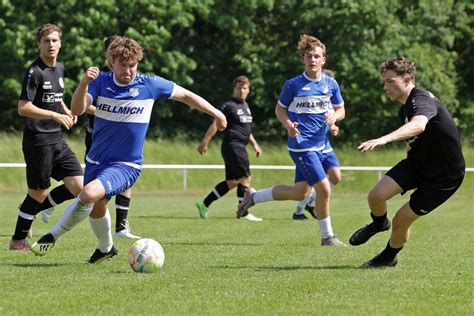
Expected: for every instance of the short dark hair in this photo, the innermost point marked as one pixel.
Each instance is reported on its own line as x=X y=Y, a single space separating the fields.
x=46 y=29
x=399 y=65
x=241 y=80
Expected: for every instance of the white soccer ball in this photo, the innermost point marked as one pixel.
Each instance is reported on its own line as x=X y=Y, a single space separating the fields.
x=146 y=255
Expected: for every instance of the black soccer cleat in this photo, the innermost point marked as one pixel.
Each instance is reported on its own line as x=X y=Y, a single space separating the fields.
x=379 y=262
x=99 y=256
x=311 y=210
x=299 y=217
x=365 y=233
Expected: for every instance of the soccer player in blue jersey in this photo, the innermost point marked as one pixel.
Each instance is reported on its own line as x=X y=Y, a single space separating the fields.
x=124 y=100
x=304 y=109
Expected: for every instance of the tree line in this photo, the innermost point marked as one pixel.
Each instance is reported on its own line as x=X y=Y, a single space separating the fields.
x=203 y=45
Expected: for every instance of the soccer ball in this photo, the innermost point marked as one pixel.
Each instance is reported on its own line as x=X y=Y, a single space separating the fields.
x=146 y=255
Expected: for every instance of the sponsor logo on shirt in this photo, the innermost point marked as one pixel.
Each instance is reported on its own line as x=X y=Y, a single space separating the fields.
x=51 y=97
x=47 y=85
x=120 y=109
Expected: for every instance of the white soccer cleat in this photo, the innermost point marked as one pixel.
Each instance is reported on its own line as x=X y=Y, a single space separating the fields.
x=46 y=214
x=252 y=218
x=124 y=233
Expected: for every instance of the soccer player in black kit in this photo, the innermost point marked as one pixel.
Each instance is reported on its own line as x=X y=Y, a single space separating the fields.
x=434 y=166
x=46 y=153
x=236 y=137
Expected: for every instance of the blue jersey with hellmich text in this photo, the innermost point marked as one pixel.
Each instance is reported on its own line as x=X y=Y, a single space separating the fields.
x=122 y=116
x=307 y=100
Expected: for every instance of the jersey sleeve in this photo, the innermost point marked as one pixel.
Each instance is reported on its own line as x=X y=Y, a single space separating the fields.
x=30 y=85
x=286 y=95
x=93 y=89
x=160 y=87
x=422 y=105
x=336 y=98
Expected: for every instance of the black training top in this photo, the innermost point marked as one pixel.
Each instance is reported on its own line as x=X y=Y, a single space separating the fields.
x=436 y=153
x=239 y=122
x=44 y=87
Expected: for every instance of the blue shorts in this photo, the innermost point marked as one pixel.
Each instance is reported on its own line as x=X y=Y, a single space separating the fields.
x=308 y=166
x=329 y=160
x=116 y=178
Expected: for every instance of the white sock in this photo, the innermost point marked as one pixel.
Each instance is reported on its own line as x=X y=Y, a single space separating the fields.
x=103 y=231
x=73 y=215
x=312 y=198
x=263 y=195
x=325 y=227
x=301 y=204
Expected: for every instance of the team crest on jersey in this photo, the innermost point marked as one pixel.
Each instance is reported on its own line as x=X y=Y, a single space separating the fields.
x=133 y=92
x=325 y=89
x=61 y=82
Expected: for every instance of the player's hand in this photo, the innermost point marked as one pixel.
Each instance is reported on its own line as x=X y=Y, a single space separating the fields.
x=63 y=119
x=69 y=113
x=293 y=129
x=334 y=130
x=371 y=144
x=202 y=148
x=91 y=74
x=221 y=121
x=258 y=151
x=330 y=118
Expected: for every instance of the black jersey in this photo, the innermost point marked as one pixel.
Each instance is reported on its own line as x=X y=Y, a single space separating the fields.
x=436 y=152
x=239 y=121
x=44 y=87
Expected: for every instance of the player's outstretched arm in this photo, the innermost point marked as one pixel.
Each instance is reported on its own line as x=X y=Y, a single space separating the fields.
x=193 y=100
x=416 y=126
x=80 y=101
x=28 y=109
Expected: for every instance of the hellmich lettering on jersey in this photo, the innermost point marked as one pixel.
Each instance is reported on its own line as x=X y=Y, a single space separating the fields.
x=120 y=109
x=322 y=104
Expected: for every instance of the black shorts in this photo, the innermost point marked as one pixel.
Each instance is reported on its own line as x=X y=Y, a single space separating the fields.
x=236 y=161
x=55 y=161
x=428 y=195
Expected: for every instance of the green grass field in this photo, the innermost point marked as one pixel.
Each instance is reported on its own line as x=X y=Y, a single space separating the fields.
x=226 y=266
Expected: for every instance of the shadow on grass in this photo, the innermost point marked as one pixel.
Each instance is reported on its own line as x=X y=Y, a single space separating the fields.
x=290 y=268
x=190 y=243
x=39 y=265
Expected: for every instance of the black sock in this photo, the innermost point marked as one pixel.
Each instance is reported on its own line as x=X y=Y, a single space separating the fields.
x=122 y=204
x=29 y=208
x=58 y=195
x=241 y=189
x=219 y=190
x=379 y=220
x=390 y=253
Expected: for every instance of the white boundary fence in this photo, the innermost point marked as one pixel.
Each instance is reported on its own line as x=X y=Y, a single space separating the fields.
x=185 y=168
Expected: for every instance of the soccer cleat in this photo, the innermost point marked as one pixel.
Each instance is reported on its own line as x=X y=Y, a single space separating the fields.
x=311 y=210
x=251 y=217
x=202 y=209
x=99 y=256
x=246 y=203
x=43 y=245
x=379 y=262
x=46 y=214
x=332 y=241
x=300 y=217
x=21 y=245
x=125 y=233
x=365 y=233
